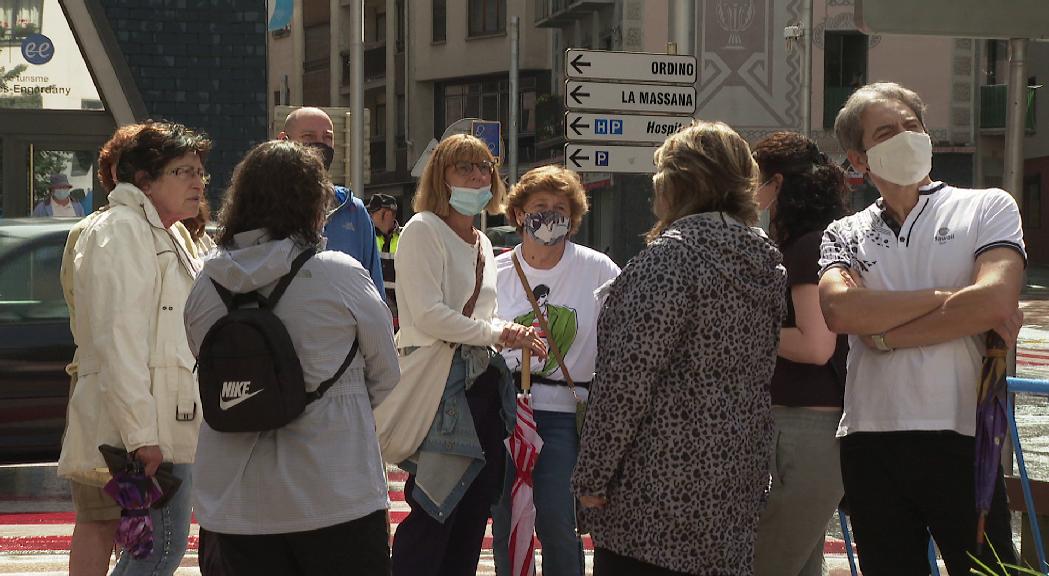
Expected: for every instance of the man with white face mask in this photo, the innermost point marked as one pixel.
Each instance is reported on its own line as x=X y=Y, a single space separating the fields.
x=59 y=204
x=916 y=280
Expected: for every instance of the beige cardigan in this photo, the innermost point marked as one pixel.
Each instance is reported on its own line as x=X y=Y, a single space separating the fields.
x=435 y=277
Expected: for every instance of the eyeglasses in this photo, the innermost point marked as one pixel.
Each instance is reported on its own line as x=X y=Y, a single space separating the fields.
x=187 y=172
x=466 y=168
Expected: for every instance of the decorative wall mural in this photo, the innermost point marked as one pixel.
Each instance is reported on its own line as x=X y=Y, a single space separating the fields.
x=747 y=77
x=734 y=17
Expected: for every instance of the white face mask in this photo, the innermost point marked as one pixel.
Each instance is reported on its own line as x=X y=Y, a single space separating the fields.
x=904 y=159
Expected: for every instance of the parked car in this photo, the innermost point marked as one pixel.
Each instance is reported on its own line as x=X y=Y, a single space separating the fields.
x=35 y=341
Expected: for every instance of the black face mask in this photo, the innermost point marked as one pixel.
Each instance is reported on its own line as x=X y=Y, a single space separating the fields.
x=327 y=153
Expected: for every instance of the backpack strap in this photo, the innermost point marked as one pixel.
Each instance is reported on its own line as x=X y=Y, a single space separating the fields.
x=316 y=394
x=235 y=301
x=282 y=285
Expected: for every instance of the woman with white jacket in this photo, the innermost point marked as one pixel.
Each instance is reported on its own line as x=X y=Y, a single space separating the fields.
x=463 y=397
x=132 y=273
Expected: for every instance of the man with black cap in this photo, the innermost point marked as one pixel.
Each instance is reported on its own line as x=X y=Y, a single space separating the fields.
x=383 y=209
x=349 y=230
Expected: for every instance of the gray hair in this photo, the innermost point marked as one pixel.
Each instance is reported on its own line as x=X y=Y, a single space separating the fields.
x=848 y=126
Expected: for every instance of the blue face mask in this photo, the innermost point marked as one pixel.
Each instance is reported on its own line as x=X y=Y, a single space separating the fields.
x=470 y=201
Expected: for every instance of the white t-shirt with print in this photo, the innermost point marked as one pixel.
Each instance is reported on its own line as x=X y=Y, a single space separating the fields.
x=567 y=293
x=928 y=387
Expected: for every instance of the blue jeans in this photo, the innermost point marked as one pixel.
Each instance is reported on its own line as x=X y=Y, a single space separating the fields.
x=554 y=503
x=170 y=533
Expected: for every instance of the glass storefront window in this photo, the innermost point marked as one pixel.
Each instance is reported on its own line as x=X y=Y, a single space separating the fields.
x=41 y=66
x=62 y=182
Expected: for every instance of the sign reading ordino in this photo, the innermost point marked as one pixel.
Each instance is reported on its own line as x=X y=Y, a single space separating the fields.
x=622 y=105
x=41 y=66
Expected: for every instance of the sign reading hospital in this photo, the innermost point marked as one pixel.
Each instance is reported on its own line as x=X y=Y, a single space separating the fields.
x=616 y=127
x=630 y=66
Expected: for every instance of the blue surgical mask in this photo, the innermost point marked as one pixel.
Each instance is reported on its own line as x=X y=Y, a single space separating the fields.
x=470 y=201
x=60 y=193
x=548 y=228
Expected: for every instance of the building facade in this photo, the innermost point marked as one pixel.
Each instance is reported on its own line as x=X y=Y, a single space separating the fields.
x=72 y=71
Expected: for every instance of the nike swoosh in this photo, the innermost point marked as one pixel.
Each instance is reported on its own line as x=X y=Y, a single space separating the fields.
x=227 y=404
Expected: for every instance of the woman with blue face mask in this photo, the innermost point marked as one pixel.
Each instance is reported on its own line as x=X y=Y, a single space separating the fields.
x=454 y=387
x=547 y=206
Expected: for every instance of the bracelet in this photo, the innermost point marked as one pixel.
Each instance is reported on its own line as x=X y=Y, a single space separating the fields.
x=879 y=342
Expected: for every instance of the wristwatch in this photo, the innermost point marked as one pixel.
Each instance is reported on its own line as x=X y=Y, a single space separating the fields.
x=879 y=342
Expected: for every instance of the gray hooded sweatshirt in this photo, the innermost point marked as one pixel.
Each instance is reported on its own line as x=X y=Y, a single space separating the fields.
x=323 y=468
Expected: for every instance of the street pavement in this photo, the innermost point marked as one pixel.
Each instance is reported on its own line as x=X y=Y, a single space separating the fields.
x=36 y=514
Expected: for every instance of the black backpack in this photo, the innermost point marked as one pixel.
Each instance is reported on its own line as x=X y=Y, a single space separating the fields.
x=250 y=376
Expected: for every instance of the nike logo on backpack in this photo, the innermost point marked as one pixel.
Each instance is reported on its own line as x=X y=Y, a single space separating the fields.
x=234 y=393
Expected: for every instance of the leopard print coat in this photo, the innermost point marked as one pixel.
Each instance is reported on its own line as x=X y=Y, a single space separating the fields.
x=678 y=431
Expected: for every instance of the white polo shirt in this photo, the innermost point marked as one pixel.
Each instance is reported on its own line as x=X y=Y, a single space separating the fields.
x=929 y=387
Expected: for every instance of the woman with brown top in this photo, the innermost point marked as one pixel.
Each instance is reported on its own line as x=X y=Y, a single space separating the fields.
x=803 y=192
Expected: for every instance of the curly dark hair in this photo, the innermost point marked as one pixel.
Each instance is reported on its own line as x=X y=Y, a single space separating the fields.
x=109 y=154
x=813 y=191
x=156 y=144
x=280 y=186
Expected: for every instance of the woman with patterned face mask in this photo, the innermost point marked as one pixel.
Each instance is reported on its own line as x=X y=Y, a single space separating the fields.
x=446 y=421
x=547 y=206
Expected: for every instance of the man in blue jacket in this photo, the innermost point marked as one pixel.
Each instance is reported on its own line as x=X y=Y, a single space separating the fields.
x=349 y=228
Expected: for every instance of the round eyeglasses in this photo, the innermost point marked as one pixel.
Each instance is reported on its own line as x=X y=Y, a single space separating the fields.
x=187 y=172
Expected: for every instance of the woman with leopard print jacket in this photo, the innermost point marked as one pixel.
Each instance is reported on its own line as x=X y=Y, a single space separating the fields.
x=673 y=460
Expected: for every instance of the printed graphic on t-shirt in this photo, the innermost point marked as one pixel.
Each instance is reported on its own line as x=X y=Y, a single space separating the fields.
x=562 y=320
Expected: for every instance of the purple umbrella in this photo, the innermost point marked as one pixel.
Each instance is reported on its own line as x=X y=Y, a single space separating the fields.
x=990 y=427
x=134 y=492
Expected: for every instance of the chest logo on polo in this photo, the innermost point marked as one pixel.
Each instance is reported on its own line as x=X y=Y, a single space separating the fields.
x=944 y=235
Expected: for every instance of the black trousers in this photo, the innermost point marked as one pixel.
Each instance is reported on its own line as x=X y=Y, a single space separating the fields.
x=422 y=546
x=608 y=563
x=902 y=486
x=358 y=547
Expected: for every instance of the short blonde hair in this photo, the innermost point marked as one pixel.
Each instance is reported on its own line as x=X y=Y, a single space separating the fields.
x=557 y=180
x=433 y=193
x=706 y=167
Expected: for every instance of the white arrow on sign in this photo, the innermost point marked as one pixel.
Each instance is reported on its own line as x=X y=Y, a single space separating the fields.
x=634 y=66
x=611 y=127
x=630 y=97
x=610 y=158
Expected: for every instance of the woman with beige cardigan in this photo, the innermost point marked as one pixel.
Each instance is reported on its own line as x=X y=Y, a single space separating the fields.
x=456 y=397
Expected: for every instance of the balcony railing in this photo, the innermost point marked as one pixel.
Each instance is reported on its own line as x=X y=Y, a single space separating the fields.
x=994 y=101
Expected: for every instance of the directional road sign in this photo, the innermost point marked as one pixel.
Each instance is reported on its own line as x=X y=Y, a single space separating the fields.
x=613 y=127
x=630 y=97
x=610 y=158
x=630 y=66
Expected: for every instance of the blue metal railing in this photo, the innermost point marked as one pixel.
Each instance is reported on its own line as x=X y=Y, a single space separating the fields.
x=1016 y=386
x=1027 y=386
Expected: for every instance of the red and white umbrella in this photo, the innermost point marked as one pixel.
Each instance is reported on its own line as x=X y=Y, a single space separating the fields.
x=524 y=446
